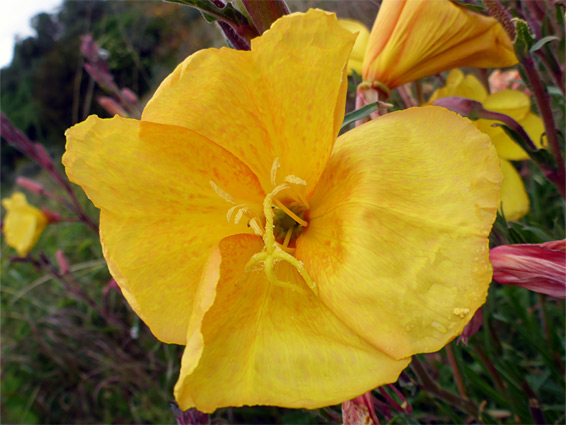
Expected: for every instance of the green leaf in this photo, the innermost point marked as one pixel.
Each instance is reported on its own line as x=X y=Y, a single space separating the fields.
x=359 y=114
x=541 y=156
x=540 y=43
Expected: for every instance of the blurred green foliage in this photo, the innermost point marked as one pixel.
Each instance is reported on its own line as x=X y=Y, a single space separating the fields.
x=45 y=90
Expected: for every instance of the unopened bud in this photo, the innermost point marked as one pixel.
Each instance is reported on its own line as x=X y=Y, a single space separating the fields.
x=538 y=267
x=112 y=107
x=466 y=107
x=62 y=262
x=88 y=47
x=30 y=185
x=129 y=95
x=472 y=327
x=360 y=410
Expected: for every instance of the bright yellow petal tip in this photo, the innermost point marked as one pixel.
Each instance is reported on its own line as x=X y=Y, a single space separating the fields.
x=412 y=39
x=23 y=223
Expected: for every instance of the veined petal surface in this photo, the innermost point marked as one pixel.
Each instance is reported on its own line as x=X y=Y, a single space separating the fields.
x=160 y=215
x=251 y=342
x=412 y=39
x=285 y=99
x=397 y=239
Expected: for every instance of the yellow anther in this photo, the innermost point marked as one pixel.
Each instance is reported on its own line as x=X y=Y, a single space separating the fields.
x=295 y=180
x=291 y=213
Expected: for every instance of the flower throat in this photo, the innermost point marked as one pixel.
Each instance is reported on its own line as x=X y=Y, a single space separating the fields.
x=284 y=223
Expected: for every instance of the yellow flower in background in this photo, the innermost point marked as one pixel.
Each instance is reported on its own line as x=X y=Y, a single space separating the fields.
x=413 y=39
x=298 y=268
x=517 y=105
x=359 y=49
x=23 y=223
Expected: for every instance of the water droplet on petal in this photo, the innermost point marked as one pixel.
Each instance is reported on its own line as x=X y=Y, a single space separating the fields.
x=439 y=327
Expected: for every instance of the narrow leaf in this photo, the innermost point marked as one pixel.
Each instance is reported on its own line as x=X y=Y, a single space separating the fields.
x=539 y=44
x=359 y=114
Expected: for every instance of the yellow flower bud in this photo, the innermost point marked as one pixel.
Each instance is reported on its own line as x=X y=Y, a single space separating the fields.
x=413 y=39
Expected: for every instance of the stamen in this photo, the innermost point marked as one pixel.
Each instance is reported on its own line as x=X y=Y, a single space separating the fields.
x=274 y=167
x=234 y=208
x=239 y=215
x=288 y=236
x=273 y=253
x=224 y=195
x=291 y=213
x=297 y=180
x=256 y=226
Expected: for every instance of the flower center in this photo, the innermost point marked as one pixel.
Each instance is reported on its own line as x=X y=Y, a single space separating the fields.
x=288 y=223
x=284 y=223
x=273 y=251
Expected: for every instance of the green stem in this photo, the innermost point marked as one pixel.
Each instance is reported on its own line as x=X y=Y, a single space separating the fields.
x=456 y=371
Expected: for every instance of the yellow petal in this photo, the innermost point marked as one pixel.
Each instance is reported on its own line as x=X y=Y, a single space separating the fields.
x=397 y=240
x=506 y=147
x=412 y=39
x=269 y=103
x=514 y=103
x=514 y=199
x=160 y=214
x=458 y=84
x=250 y=342
x=23 y=223
x=357 y=55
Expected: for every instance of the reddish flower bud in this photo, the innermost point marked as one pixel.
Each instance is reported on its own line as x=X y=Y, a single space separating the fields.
x=30 y=185
x=472 y=327
x=112 y=107
x=129 y=95
x=359 y=411
x=538 y=267
x=461 y=105
x=62 y=261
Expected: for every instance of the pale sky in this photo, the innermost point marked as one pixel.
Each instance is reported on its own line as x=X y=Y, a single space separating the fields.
x=15 y=17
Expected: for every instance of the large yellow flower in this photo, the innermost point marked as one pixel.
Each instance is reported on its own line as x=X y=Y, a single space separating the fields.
x=412 y=39
x=23 y=223
x=516 y=104
x=298 y=269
